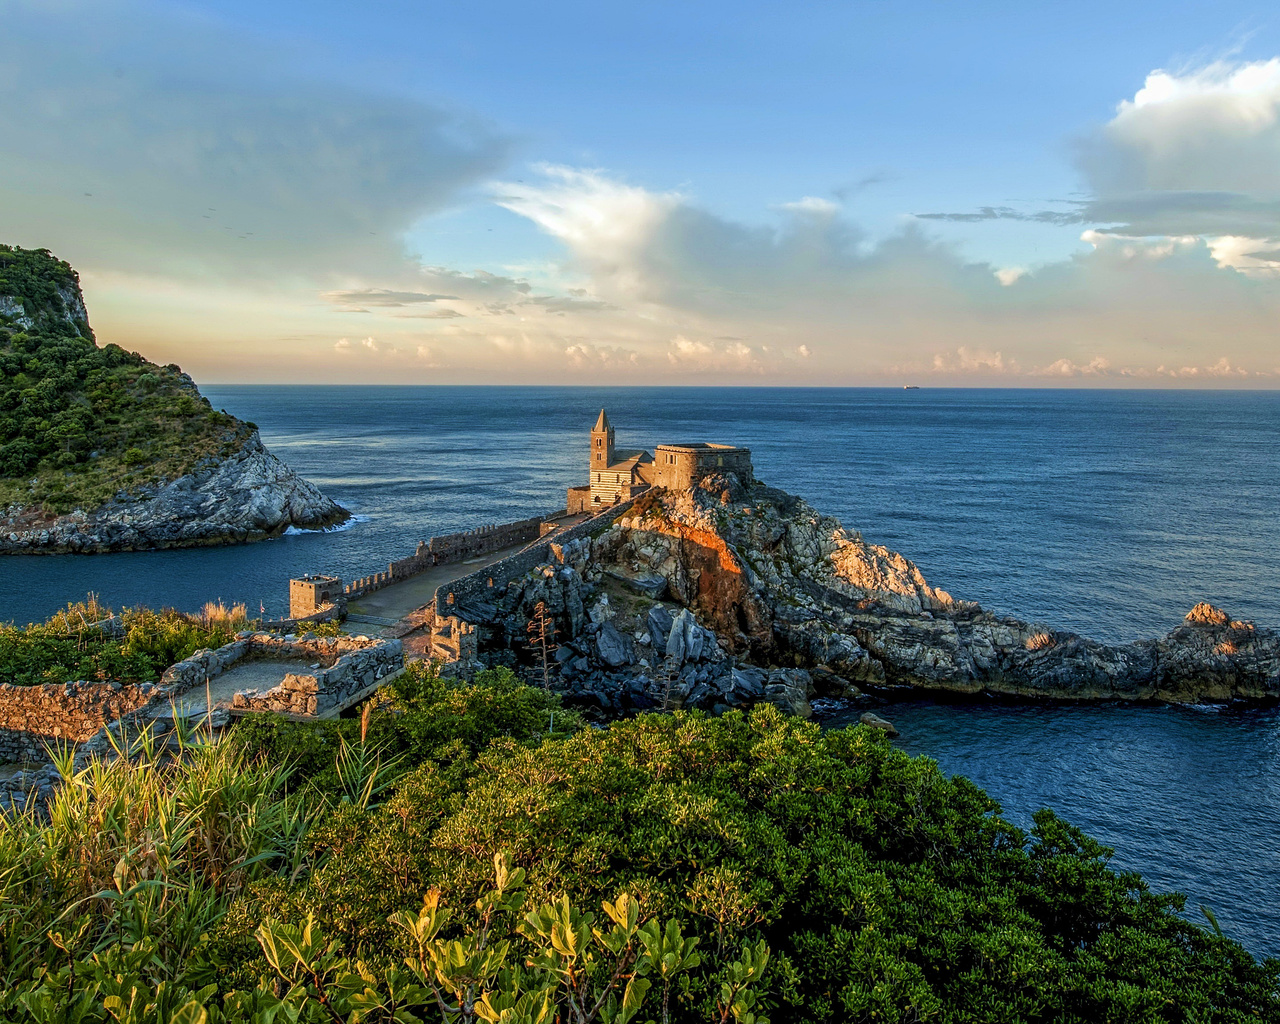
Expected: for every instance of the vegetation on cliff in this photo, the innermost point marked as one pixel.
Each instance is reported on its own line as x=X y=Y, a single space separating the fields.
x=80 y=424
x=457 y=855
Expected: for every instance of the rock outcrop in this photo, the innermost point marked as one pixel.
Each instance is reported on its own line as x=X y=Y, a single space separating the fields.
x=767 y=599
x=250 y=495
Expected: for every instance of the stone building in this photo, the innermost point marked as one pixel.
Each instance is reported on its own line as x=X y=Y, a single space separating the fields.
x=309 y=595
x=678 y=467
x=620 y=475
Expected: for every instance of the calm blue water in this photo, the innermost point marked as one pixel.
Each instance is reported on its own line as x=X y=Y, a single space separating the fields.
x=1107 y=512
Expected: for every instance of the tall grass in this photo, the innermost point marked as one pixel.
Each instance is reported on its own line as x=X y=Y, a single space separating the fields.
x=215 y=614
x=78 y=615
x=143 y=850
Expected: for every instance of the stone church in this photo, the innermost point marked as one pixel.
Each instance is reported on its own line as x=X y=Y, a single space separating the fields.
x=620 y=475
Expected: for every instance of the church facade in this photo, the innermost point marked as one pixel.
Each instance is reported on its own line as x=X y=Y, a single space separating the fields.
x=619 y=475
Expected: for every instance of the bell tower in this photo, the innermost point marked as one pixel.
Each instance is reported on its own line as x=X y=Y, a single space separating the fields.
x=601 y=444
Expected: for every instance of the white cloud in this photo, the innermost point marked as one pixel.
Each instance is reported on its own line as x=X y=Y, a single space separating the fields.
x=583 y=355
x=1254 y=257
x=604 y=220
x=1098 y=366
x=966 y=360
x=365 y=345
x=1010 y=275
x=1196 y=153
x=813 y=205
x=1212 y=129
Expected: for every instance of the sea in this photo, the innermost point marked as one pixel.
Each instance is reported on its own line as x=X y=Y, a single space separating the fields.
x=1105 y=512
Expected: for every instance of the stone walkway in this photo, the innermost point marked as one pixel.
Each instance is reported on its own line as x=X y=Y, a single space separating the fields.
x=398 y=600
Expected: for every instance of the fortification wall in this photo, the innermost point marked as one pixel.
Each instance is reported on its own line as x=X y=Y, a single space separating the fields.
x=449 y=548
x=482 y=584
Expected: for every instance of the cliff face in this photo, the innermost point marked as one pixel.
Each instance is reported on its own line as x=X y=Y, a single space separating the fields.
x=721 y=596
x=867 y=614
x=102 y=450
x=250 y=495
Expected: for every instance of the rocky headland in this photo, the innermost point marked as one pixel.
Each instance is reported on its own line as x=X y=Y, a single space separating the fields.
x=103 y=450
x=245 y=496
x=721 y=596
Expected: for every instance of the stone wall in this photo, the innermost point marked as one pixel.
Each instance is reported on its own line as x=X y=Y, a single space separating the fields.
x=485 y=582
x=33 y=717
x=346 y=666
x=449 y=548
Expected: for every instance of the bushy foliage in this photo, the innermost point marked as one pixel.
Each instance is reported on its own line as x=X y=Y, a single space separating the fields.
x=745 y=868
x=79 y=423
x=68 y=646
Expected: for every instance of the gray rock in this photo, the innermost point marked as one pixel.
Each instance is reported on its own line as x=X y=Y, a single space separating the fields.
x=649 y=585
x=659 y=625
x=614 y=649
x=747 y=681
x=876 y=722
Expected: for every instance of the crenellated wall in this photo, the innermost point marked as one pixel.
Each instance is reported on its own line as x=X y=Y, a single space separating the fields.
x=449 y=548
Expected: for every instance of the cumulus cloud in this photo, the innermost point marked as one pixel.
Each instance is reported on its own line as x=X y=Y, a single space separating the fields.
x=156 y=142
x=368 y=346
x=1192 y=153
x=584 y=355
x=905 y=304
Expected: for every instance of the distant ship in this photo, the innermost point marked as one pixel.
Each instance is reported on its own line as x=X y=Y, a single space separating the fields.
x=910 y=387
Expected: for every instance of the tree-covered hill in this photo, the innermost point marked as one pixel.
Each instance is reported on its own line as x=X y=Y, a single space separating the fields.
x=81 y=423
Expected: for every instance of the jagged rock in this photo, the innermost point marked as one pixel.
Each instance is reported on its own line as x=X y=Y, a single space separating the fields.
x=1205 y=614
x=876 y=722
x=790 y=689
x=648 y=584
x=747 y=681
x=659 y=625
x=613 y=647
x=601 y=610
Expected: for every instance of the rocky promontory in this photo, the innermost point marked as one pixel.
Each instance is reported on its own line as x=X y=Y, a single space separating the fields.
x=248 y=495
x=103 y=450
x=723 y=595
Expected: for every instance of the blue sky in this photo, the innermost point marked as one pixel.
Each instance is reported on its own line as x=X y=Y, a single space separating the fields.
x=815 y=193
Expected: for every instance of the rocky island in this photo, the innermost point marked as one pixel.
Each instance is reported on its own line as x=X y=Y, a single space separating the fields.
x=714 y=590
x=102 y=450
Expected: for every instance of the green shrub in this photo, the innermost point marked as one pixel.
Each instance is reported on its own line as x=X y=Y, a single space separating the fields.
x=771 y=871
x=66 y=648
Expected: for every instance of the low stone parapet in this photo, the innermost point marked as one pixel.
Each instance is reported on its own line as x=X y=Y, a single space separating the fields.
x=345 y=668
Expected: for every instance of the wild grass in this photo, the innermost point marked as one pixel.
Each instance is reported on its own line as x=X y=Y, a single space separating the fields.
x=142 y=849
x=215 y=614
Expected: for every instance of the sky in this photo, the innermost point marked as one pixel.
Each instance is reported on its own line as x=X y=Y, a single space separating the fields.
x=857 y=193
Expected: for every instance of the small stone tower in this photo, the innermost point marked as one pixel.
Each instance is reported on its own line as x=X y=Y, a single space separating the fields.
x=601 y=444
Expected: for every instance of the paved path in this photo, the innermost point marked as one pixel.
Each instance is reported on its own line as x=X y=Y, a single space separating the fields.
x=398 y=600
